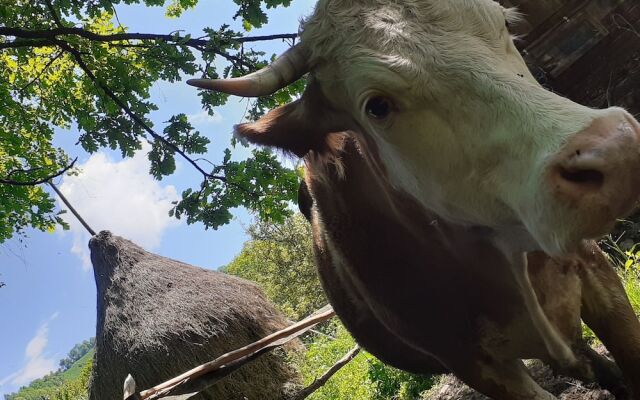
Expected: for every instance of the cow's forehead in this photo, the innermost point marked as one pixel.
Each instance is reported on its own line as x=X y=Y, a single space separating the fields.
x=340 y=29
x=415 y=47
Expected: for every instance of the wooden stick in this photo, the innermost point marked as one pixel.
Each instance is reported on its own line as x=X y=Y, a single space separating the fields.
x=212 y=371
x=319 y=382
x=72 y=209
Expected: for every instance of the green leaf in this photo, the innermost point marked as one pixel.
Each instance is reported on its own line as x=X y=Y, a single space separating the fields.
x=628 y=264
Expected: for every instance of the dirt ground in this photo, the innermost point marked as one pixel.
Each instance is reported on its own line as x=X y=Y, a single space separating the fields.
x=450 y=388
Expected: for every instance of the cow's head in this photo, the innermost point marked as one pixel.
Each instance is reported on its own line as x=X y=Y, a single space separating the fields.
x=439 y=92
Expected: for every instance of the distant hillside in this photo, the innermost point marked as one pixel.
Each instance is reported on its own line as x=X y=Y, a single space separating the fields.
x=76 y=368
x=68 y=383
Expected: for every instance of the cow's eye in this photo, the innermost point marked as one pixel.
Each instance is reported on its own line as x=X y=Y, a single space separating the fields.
x=378 y=107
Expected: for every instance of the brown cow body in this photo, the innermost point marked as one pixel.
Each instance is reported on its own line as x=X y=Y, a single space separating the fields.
x=427 y=296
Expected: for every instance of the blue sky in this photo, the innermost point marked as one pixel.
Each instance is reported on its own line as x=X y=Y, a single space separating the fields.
x=49 y=303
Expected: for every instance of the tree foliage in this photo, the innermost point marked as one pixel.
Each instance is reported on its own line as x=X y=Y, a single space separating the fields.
x=77 y=352
x=70 y=64
x=279 y=258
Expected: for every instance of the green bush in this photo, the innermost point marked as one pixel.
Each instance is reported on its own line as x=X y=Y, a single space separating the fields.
x=76 y=389
x=364 y=378
x=631 y=282
x=351 y=382
x=392 y=383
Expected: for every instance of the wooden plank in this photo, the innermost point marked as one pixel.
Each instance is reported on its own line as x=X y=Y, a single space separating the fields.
x=609 y=72
x=587 y=50
x=539 y=21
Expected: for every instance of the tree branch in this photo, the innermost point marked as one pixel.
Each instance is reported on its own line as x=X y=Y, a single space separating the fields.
x=116 y=37
x=38 y=181
x=24 y=171
x=16 y=44
x=78 y=57
x=320 y=381
x=40 y=38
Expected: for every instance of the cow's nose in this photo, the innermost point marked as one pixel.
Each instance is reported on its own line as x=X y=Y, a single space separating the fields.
x=579 y=172
x=597 y=172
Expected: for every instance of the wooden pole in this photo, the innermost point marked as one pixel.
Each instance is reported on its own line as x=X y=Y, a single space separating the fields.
x=72 y=209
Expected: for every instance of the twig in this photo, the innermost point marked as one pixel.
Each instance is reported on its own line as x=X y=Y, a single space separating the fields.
x=54 y=15
x=317 y=332
x=203 y=376
x=133 y=45
x=115 y=13
x=629 y=28
x=608 y=94
x=49 y=64
x=320 y=381
x=72 y=209
x=23 y=171
x=38 y=181
x=263 y=38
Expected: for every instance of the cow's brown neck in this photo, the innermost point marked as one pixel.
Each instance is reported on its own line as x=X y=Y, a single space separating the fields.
x=403 y=261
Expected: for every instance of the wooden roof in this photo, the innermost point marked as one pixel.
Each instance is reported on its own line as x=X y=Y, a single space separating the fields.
x=587 y=50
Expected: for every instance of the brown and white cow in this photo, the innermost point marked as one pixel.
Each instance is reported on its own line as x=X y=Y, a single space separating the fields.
x=453 y=199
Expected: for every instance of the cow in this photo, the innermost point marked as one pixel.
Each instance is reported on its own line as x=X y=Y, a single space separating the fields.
x=454 y=201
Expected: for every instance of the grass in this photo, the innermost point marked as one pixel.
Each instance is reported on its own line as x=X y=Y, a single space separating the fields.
x=627 y=265
x=631 y=282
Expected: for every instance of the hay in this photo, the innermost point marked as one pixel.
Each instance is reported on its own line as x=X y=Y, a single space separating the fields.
x=158 y=318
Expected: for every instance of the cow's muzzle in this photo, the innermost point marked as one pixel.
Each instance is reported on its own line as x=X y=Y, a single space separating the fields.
x=596 y=175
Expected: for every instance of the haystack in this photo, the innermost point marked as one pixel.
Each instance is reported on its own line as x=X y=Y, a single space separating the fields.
x=158 y=318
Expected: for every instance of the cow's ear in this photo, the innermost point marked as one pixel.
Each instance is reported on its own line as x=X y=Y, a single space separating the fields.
x=299 y=127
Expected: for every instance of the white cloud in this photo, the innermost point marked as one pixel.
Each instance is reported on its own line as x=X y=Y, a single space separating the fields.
x=119 y=196
x=203 y=118
x=37 y=364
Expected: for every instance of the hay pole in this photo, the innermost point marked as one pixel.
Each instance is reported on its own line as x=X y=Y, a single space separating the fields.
x=201 y=377
x=321 y=380
x=72 y=209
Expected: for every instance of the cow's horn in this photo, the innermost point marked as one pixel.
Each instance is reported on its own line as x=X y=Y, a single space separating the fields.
x=286 y=69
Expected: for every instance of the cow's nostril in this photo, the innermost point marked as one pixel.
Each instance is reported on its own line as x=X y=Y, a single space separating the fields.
x=585 y=177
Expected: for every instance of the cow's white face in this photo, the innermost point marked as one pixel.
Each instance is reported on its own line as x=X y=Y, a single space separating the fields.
x=447 y=103
x=458 y=120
